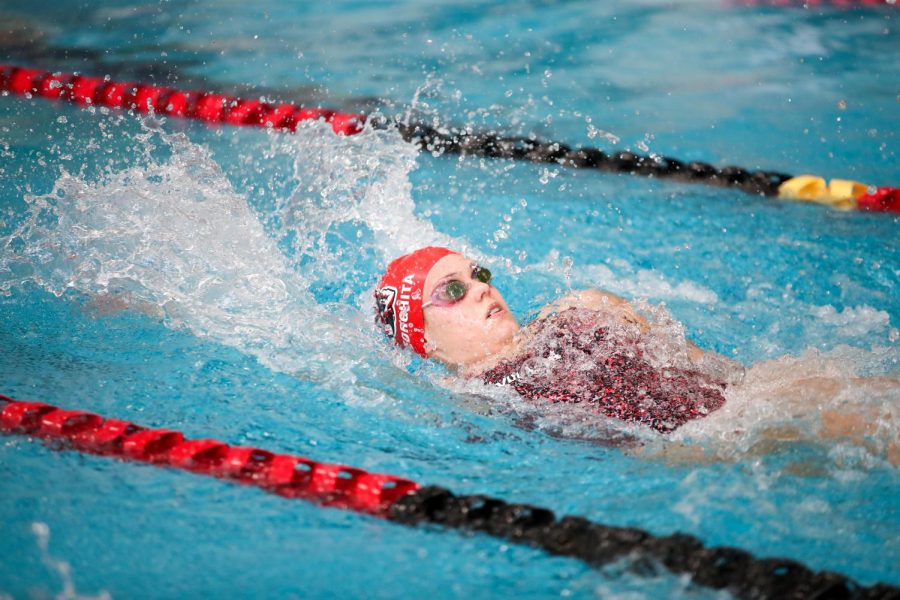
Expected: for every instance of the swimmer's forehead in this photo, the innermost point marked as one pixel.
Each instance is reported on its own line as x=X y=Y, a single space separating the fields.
x=452 y=265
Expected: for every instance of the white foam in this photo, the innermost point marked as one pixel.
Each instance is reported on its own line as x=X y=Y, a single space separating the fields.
x=853 y=320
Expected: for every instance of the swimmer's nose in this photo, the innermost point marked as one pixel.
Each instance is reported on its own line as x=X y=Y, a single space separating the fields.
x=480 y=290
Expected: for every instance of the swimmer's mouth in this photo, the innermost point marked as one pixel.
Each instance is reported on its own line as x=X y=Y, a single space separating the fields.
x=494 y=310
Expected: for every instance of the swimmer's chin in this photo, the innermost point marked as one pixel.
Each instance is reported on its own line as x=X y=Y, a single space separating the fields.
x=470 y=368
x=489 y=360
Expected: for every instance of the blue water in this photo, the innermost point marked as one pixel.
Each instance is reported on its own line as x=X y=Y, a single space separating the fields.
x=248 y=261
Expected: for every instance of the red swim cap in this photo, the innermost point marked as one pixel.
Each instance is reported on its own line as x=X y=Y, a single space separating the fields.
x=398 y=297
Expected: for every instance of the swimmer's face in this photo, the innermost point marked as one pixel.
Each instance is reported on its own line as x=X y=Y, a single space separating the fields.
x=465 y=332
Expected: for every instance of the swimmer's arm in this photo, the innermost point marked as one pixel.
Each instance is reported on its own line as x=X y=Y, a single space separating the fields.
x=607 y=301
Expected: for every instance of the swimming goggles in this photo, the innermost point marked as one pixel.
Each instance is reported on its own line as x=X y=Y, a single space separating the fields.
x=451 y=292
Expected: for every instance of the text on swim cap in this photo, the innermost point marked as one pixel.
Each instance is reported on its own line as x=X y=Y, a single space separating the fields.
x=403 y=307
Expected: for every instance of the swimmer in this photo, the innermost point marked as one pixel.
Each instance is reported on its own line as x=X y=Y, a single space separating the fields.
x=590 y=347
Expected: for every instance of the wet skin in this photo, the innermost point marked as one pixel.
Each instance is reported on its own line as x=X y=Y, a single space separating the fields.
x=472 y=330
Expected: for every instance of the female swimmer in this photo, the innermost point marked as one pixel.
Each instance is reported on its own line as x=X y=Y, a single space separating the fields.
x=590 y=347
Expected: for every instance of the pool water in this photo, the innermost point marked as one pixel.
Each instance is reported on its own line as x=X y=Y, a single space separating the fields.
x=218 y=282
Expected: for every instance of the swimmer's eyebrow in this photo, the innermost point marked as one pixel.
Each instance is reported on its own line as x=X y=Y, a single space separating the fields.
x=448 y=276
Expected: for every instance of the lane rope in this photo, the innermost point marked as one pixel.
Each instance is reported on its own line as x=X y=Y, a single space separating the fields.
x=146 y=98
x=404 y=501
x=222 y=109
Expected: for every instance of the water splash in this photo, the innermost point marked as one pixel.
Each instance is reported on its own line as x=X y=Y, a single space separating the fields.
x=361 y=180
x=818 y=397
x=61 y=567
x=172 y=237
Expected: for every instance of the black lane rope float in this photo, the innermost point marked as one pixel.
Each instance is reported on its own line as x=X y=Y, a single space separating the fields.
x=491 y=145
x=404 y=501
x=217 y=108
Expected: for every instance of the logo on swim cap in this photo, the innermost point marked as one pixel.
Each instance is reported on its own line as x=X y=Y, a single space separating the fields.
x=398 y=297
x=384 y=304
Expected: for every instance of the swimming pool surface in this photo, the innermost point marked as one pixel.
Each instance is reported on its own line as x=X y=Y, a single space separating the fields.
x=246 y=261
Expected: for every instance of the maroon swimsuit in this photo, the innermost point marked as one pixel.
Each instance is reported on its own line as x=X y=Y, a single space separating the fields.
x=570 y=358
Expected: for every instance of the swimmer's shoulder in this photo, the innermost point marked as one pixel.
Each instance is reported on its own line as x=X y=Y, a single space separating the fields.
x=591 y=299
x=597 y=300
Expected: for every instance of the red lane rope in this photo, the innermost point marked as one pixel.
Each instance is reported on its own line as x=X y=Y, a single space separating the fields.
x=403 y=501
x=283 y=474
x=144 y=98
